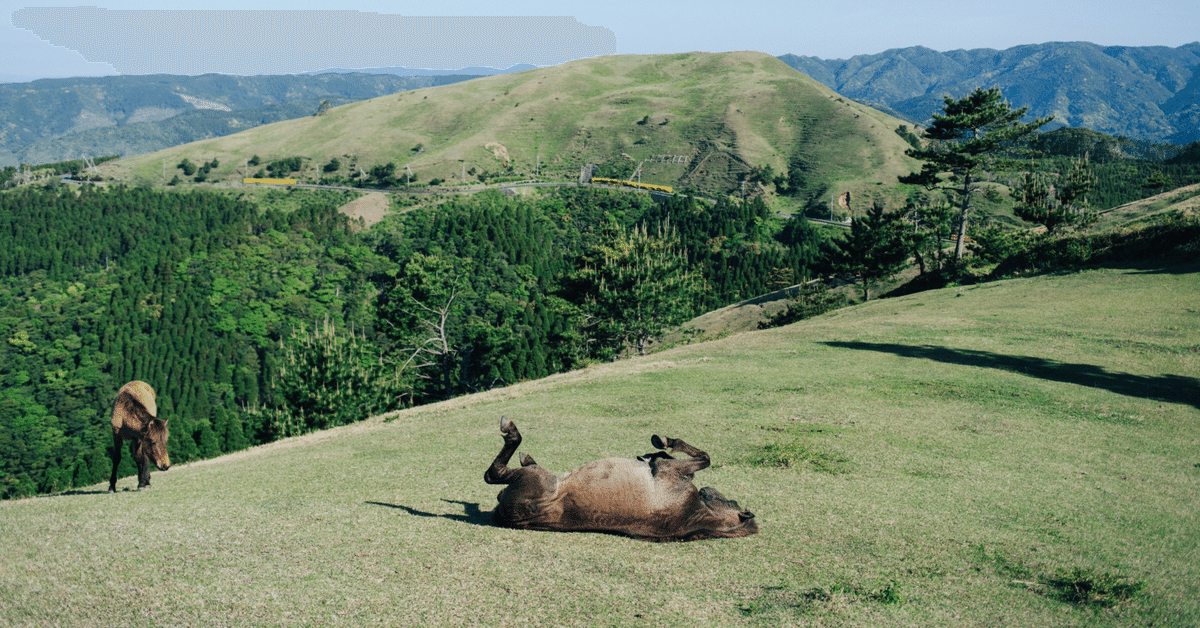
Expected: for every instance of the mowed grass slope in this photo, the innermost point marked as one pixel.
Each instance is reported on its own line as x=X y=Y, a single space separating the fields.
x=951 y=455
x=723 y=113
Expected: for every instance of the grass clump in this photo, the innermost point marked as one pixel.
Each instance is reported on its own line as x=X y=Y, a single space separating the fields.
x=839 y=595
x=810 y=300
x=1082 y=586
x=800 y=455
x=1088 y=587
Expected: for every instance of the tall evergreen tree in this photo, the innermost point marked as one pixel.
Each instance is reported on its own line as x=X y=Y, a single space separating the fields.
x=978 y=133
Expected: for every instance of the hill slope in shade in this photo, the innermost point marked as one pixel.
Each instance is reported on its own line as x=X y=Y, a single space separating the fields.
x=697 y=121
x=936 y=459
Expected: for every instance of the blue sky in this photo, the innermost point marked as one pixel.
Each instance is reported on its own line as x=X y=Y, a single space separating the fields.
x=822 y=29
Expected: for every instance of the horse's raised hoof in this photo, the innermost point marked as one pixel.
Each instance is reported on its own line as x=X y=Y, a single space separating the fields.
x=509 y=429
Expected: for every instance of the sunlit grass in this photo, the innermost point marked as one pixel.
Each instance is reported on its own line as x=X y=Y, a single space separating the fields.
x=996 y=447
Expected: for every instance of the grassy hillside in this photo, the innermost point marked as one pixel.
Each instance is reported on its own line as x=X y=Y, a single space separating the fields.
x=1184 y=200
x=950 y=458
x=722 y=113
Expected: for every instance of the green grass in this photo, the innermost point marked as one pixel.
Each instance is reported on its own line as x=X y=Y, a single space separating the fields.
x=1018 y=453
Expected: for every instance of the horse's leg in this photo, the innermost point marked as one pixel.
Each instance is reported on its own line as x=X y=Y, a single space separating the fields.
x=696 y=461
x=522 y=502
x=498 y=472
x=143 y=464
x=116 y=458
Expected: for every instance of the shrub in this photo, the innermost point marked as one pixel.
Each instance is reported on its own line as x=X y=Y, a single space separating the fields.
x=285 y=166
x=1173 y=240
x=996 y=244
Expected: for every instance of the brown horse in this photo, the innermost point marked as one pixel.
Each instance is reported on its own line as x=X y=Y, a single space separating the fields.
x=135 y=419
x=651 y=497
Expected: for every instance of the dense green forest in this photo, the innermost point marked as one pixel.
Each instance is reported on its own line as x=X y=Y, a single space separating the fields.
x=254 y=322
x=102 y=286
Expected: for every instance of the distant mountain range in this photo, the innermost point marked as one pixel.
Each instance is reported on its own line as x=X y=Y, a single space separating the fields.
x=52 y=120
x=1147 y=93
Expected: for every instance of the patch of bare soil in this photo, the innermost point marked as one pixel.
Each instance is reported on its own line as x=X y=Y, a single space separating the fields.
x=500 y=151
x=371 y=207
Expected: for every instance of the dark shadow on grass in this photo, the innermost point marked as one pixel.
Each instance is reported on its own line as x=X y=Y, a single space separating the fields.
x=1168 y=388
x=471 y=512
x=73 y=492
x=474 y=516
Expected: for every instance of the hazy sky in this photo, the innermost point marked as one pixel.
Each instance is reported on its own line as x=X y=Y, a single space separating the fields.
x=821 y=29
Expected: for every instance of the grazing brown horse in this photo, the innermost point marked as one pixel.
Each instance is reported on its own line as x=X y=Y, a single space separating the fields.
x=135 y=419
x=651 y=497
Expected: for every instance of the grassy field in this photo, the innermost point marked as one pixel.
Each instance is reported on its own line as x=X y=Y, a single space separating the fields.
x=1018 y=453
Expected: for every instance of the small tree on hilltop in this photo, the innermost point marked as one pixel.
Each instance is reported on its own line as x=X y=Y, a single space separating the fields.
x=975 y=134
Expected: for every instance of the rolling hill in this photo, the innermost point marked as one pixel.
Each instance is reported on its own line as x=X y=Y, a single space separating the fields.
x=971 y=456
x=693 y=121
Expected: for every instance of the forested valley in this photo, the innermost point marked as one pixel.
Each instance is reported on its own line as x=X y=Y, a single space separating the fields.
x=256 y=320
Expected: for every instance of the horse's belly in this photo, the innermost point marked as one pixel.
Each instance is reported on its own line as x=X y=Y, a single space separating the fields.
x=616 y=494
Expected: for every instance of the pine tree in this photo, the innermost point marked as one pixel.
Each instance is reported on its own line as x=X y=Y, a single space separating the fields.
x=1057 y=206
x=633 y=285
x=973 y=135
x=875 y=249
